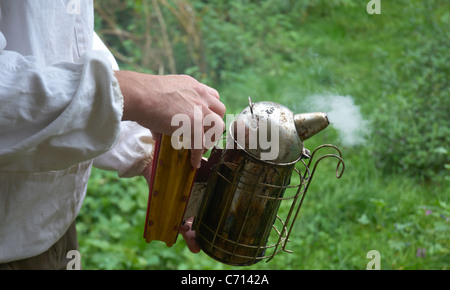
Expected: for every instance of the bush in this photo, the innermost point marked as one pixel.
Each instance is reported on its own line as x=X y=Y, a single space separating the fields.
x=412 y=133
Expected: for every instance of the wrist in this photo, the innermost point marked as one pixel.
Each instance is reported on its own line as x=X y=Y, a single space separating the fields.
x=132 y=101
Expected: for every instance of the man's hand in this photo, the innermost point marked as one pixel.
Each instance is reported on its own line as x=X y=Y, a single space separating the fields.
x=152 y=101
x=189 y=236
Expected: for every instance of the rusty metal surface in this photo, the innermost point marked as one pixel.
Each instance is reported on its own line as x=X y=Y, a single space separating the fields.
x=239 y=210
x=238 y=222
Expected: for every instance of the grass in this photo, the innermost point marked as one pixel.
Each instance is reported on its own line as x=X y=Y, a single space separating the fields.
x=405 y=219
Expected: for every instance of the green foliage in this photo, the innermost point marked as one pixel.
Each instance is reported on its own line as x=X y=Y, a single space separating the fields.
x=412 y=122
x=153 y=36
x=111 y=214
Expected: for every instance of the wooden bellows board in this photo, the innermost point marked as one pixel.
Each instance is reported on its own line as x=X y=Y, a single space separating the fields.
x=171 y=184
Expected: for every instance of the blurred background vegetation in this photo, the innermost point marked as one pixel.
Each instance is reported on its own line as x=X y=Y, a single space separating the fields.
x=394 y=195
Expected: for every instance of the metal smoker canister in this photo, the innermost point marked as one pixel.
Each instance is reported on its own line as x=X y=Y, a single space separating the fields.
x=244 y=191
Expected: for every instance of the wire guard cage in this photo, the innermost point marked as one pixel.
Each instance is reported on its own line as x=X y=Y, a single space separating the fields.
x=238 y=222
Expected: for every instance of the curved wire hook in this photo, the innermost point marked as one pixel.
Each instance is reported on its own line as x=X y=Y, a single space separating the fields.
x=339 y=157
x=310 y=173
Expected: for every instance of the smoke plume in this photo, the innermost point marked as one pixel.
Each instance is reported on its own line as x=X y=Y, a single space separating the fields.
x=344 y=116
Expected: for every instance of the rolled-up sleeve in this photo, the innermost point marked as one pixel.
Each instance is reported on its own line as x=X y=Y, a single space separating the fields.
x=132 y=152
x=55 y=116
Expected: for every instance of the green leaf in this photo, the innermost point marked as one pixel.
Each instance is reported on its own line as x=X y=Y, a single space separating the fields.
x=363 y=219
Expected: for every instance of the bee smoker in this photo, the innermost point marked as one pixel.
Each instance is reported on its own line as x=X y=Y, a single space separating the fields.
x=238 y=222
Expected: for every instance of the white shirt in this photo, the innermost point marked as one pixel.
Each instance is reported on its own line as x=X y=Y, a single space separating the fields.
x=60 y=112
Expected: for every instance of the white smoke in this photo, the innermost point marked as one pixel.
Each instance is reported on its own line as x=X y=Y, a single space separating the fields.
x=343 y=115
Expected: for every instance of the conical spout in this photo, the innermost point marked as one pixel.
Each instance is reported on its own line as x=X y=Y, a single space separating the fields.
x=309 y=124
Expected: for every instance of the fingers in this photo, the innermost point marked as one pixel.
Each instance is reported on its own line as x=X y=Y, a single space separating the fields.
x=213 y=92
x=208 y=125
x=212 y=98
x=214 y=127
x=197 y=138
x=205 y=136
x=189 y=236
x=203 y=89
x=216 y=106
x=191 y=243
x=182 y=104
x=196 y=158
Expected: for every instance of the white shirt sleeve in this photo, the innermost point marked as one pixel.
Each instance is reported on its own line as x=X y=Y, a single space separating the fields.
x=54 y=116
x=132 y=152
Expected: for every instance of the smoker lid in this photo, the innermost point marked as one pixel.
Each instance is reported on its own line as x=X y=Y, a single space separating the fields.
x=267 y=131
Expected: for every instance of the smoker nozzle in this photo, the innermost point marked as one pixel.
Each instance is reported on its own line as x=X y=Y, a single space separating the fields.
x=309 y=124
